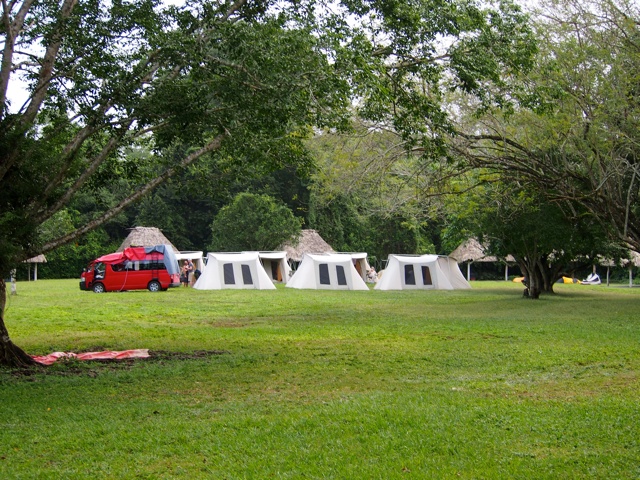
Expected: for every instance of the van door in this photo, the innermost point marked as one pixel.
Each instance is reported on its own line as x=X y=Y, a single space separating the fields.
x=138 y=275
x=115 y=277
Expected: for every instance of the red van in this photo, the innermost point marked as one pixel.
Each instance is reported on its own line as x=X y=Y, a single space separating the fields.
x=136 y=268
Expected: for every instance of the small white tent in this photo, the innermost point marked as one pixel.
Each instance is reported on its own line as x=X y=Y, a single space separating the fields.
x=421 y=272
x=276 y=265
x=327 y=271
x=234 y=270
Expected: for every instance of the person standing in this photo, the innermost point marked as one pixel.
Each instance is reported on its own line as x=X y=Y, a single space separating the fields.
x=190 y=278
x=184 y=274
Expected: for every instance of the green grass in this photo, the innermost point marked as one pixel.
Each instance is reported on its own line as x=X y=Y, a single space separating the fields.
x=319 y=384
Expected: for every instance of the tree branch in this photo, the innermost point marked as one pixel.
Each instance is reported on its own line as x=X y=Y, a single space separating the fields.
x=108 y=148
x=46 y=71
x=211 y=146
x=234 y=8
x=12 y=30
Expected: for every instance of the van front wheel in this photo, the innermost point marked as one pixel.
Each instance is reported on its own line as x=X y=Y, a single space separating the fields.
x=99 y=288
x=154 y=286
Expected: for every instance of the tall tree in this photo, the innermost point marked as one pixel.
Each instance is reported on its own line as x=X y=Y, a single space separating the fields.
x=546 y=241
x=576 y=136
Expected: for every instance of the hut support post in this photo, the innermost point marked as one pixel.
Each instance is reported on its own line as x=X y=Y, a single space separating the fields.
x=630 y=275
x=468 y=271
x=608 y=276
x=506 y=272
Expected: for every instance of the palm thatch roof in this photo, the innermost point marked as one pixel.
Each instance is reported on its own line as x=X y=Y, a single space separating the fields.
x=37 y=259
x=625 y=262
x=309 y=241
x=145 y=237
x=473 y=251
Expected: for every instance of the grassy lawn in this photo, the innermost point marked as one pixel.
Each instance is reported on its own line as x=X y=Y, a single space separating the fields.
x=476 y=384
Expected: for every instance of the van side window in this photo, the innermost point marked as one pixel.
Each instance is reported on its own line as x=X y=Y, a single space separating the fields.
x=118 y=267
x=145 y=265
x=152 y=265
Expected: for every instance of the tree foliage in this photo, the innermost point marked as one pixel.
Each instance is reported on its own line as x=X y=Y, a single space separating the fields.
x=575 y=138
x=546 y=242
x=253 y=223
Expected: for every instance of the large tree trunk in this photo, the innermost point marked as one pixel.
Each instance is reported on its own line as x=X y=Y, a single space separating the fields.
x=533 y=280
x=10 y=354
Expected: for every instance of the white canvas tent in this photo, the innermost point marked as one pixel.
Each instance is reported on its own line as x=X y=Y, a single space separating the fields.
x=276 y=265
x=327 y=271
x=428 y=272
x=234 y=270
x=360 y=263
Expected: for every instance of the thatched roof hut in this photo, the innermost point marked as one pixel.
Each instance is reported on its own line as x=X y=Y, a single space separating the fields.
x=145 y=237
x=633 y=261
x=309 y=241
x=473 y=251
x=35 y=261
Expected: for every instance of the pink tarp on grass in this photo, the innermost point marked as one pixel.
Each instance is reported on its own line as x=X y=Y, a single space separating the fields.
x=106 y=355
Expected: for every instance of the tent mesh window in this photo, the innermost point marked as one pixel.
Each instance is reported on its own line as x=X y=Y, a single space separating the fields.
x=323 y=269
x=409 y=275
x=426 y=276
x=342 y=279
x=246 y=275
x=229 y=277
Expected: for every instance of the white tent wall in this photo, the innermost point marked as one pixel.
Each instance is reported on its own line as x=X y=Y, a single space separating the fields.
x=276 y=265
x=328 y=272
x=360 y=262
x=428 y=272
x=234 y=271
x=452 y=269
